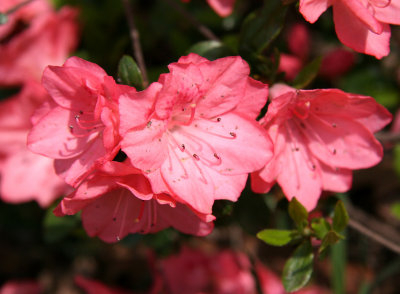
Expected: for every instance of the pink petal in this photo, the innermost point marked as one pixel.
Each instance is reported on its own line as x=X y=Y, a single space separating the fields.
x=312 y=9
x=136 y=107
x=388 y=14
x=192 y=58
x=222 y=7
x=335 y=179
x=147 y=148
x=254 y=99
x=355 y=34
x=342 y=142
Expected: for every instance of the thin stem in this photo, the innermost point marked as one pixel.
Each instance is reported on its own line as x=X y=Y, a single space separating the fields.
x=388 y=137
x=134 y=34
x=206 y=32
x=374 y=229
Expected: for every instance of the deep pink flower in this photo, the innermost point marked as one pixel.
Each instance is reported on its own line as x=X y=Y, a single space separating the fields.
x=48 y=38
x=79 y=126
x=201 y=138
x=319 y=137
x=362 y=25
x=25 y=176
x=95 y=287
x=336 y=63
x=193 y=272
x=118 y=200
x=222 y=7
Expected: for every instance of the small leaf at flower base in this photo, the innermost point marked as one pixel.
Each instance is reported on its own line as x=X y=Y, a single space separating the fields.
x=129 y=72
x=276 y=237
x=330 y=238
x=298 y=213
x=307 y=74
x=3 y=18
x=299 y=267
x=340 y=218
x=56 y=228
x=321 y=227
x=211 y=49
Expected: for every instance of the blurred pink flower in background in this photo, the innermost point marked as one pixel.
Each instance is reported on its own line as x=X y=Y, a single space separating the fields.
x=35 y=37
x=25 y=176
x=95 y=287
x=201 y=139
x=21 y=287
x=319 y=137
x=362 y=25
x=222 y=7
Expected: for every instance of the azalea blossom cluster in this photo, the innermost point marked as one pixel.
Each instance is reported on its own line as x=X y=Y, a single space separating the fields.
x=144 y=161
x=34 y=36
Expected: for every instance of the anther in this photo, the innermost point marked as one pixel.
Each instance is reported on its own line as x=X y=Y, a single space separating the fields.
x=149 y=124
x=334 y=151
x=183 y=147
x=196 y=156
x=216 y=156
x=218 y=119
x=232 y=134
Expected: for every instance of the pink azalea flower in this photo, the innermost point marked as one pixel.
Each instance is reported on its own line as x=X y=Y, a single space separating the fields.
x=319 y=137
x=193 y=272
x=118 y=200
x=362 y=25
x=25 y=176
x=95 y=287
x=21 y=287
x=48 y=38
x=222 y=7
x=336 y=63
x=79 y=126
x=201 y=138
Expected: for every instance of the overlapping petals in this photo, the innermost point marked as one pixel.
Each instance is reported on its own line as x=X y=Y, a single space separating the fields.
x=202 y=140
x=319 y=137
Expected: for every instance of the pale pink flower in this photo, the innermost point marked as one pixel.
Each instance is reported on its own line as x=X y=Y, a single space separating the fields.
x=25 y=176
x=79 y=126
x=222 y=7
x=319 y=137
x=48 y=38
x=194 y=272
x=201 y=138
x=118 y=200
x=362 y=25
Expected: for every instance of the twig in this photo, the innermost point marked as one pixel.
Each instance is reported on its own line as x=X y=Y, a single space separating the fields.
x=388 y=137
x=134 y=33
x=206 y=32
x=374 y=229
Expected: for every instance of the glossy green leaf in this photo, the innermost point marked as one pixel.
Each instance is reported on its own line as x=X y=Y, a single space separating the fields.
x=3 y=18
x=298 y=213
x=276 y=237
x=307 y=74
x=298 y=268
x=330 y=238
x=340 y=218
x=129 y=72
x=320 y=227
x=211 y=49
x=261 y=28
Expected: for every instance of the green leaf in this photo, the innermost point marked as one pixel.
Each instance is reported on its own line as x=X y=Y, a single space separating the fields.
x=299 y=267
x=211 y=49
x=395 y=209
x=3 y=18
x=340 y=218
x=307 y=74
x=330 y=238
x=298 y=213
x=261 y=28
x=56 y=228
x=276 y=237
x=321 y=227
x=129 y=72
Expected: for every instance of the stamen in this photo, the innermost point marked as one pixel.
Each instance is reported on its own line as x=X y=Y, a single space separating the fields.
x=233 y=134
x=140 y=212
x=196 y=156
x=216 y=156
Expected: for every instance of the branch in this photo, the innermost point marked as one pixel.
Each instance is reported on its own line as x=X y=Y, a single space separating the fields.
x=206 y=32
x=134 y=34
x=374 y=229
x=388 y=137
